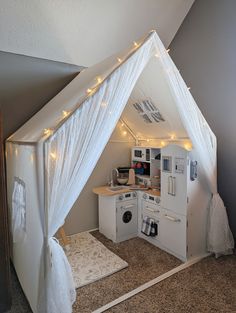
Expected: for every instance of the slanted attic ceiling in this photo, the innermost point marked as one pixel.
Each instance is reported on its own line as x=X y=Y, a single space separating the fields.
x=84 y=32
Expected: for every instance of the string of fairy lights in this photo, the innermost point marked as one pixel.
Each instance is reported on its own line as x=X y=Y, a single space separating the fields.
x=125 y=129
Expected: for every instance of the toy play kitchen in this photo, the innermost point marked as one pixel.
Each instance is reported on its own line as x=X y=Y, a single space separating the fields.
x=159 y=206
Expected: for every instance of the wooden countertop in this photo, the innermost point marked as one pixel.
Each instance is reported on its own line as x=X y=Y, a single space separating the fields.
x=153 y=192
x=104 y=191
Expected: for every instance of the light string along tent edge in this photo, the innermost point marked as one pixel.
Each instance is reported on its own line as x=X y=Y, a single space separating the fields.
x=48 y=132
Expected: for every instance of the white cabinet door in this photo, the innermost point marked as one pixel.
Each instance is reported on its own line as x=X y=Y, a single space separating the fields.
x=173 y=233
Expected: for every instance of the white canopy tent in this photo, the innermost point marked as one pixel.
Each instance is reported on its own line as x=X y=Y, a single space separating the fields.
x=55 y=152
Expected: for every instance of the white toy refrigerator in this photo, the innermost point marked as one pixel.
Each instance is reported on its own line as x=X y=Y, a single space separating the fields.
x=184 y=202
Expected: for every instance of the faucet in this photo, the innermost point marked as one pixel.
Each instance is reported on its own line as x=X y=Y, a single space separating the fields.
x=113 y=182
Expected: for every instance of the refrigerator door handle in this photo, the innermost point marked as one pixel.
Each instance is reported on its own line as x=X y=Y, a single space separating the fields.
x=170 y=185
x=152 y=210
x=173 y=219
x=173 y=186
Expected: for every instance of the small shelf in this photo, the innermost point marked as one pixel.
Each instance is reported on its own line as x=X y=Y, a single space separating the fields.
x=153 y=165
x=138 y=161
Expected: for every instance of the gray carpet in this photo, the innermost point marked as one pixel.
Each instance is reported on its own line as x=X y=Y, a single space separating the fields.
x=207 y=287
x=145 y=263
x=19 y=302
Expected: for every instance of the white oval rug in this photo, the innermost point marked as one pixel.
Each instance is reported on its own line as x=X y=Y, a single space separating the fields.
x=90 y=260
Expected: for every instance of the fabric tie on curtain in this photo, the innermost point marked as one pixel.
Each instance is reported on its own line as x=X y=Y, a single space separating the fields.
x=58 y=292
x=221 y=241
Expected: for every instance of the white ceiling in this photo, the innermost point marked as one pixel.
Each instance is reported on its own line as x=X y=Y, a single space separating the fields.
x=84 y=32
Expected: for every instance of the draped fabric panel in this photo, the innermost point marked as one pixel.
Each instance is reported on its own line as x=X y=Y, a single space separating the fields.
x=220 y=239
x=70 y=157
x=72 y=152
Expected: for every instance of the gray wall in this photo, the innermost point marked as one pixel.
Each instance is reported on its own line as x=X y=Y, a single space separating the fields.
x=26 y=84
x=204 y=51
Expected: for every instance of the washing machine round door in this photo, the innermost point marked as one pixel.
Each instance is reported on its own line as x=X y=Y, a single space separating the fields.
x=127 y=217
x=127 y=220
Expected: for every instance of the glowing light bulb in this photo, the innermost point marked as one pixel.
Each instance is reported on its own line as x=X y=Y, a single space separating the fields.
x=172 y=137
x=148 y=140
x=99 y=80
x=47 y=131
x=187 y=146
x=122 y=124
x=89 y=90
x=136 y=44
x=124 y=132
x=162 y=143
x=65 y=113
x=53 y=155
x=119 y=60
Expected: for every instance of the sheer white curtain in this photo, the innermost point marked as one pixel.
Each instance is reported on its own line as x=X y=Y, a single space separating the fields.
x=220 y=239
x=71 y=154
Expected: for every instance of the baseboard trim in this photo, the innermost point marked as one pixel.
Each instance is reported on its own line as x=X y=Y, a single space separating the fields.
x=151 y=283
x=85 y=231
x=89 y=231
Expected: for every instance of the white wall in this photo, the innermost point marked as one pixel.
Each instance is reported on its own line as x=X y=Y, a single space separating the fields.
x=84 y=32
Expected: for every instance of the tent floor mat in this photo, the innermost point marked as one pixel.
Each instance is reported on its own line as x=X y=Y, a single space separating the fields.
x=146 y=262
x=90 y=260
